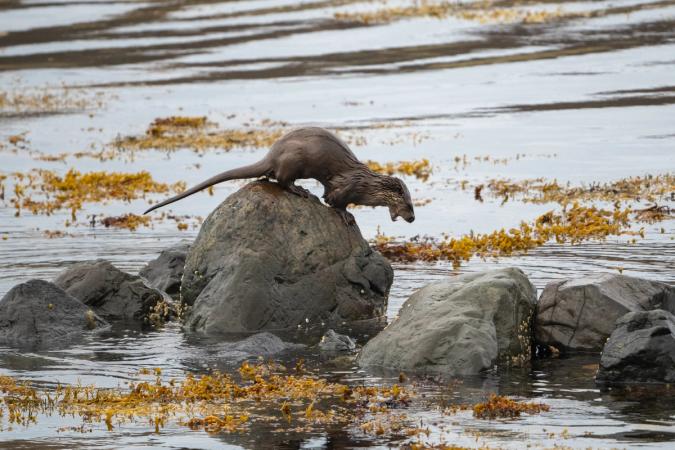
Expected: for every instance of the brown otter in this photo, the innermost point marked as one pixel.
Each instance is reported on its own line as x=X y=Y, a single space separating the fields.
x=316 y=153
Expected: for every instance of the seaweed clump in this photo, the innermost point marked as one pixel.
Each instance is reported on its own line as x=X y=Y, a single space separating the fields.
x=47 y=100
x=482 y=11
x=198 y=134
x=538 y=190
x=578 y=224
x=498 y=406
x=216 y=402
x=45 y=192
x=654 y=213
x=420 y=169
x=127 y=221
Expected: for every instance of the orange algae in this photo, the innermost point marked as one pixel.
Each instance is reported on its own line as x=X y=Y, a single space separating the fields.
x=439 y=446
x=578 y=224
x=653 y=214
x=538 y=190
x=53 y=234
x=198 y=134
x=463 y=161
x=127 y=221
x=161 y=126
x=498 y=406
x=215 y=402
x=48 y=99
x=480 y=11
x=420 y=169
x=44 y=192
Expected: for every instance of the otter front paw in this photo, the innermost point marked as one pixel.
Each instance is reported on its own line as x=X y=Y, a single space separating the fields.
x=298 y=190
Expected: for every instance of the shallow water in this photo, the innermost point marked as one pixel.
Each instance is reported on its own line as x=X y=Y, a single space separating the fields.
x=580 y=100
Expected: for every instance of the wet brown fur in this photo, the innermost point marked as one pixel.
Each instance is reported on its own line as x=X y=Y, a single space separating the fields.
x=316 y=153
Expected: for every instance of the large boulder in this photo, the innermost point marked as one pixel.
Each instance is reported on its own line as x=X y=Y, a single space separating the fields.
x=114 y=295
x=166 y=271
x=39 y=313
x=267 y=259
x=579 y=314
x=459 y=326
x=641 y=349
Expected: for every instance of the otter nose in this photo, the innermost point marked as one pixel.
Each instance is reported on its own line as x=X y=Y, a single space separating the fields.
x=411 y=219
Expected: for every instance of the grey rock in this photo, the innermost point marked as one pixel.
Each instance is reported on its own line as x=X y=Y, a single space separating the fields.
x=459 y=326
x=334 y=342
x=39 y=313
x=266 y=259
x=114 y=295
x=166 y=271
x=641 y=349
x=579 y=314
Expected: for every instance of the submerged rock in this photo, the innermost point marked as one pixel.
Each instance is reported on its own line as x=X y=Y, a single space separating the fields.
x=258 y=345
x=39 y=313
x=267 y=259
x=166 y=271
x=641 y=349
x=334 y=342
x=459 y=326
x=214 y=353
x=579 y=314
x=114 y=295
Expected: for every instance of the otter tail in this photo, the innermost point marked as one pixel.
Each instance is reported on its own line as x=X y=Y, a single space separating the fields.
x=251 y=171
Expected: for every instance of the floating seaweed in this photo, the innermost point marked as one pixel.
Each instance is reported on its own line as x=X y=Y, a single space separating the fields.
x=538 y=190
x=578 y=224
x=44 y=192
x=463 y=161
x=498 y=406
x=483 y=11
x=215 y=402
x=49 y=99
x=654 y=213
x=420 y=169
x=127 y=221
x=198 y=134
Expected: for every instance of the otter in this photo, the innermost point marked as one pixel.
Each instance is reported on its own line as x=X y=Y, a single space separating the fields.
x=316 y=153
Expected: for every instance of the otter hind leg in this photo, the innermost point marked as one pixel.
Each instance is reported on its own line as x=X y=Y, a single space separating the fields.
x=346 y=216
x=291 y=187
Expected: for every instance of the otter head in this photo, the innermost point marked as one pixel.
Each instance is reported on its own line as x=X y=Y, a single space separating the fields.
x=397 y=199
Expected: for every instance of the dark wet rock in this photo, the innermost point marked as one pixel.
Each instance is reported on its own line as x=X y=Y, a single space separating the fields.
x=266 y=259
x=114 y=295
x=39 y=313
x=641 y=349
x=166 y=271
x=334 y=342
x=579 y=314
x=459 y=326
